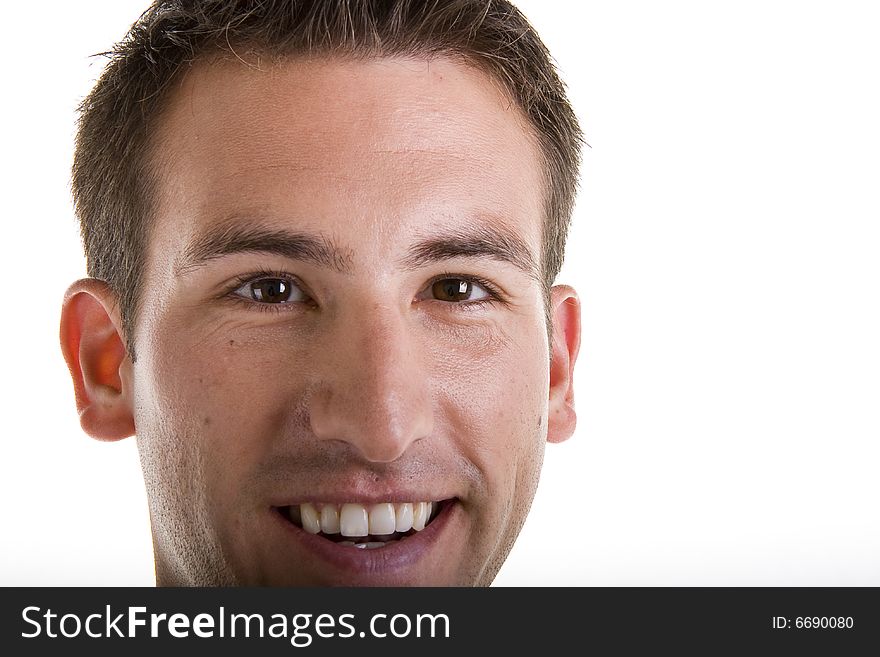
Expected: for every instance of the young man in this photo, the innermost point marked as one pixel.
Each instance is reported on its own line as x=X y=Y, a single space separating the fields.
x=322 y=239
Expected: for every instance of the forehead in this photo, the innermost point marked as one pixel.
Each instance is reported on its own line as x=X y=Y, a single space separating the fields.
x=346 y=146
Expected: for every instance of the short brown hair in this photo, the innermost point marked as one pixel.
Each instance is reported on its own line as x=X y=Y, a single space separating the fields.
x=113 y=183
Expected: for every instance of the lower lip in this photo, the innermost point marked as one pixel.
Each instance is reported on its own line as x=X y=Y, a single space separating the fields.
x=357 y=563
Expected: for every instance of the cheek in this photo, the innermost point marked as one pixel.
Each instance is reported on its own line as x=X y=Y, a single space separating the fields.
x=494 y=398
x=206 y=402
x=493 y=394
x=229 y=381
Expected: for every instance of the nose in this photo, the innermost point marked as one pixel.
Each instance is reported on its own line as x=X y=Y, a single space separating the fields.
x=373 y=392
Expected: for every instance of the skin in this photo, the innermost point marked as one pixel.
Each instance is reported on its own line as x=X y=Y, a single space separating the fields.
x=364 y=385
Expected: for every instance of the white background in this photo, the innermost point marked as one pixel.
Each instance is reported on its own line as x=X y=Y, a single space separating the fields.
x=725 y=246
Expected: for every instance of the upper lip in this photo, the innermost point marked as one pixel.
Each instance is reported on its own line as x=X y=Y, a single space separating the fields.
x=360 y=497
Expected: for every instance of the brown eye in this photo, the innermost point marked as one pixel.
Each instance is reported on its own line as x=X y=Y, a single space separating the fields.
x=271 y=291
x=452 y=289
x=457 y=290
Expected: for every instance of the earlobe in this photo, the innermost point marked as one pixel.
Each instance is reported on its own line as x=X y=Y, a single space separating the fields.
x=566 y=339
x=93 y=346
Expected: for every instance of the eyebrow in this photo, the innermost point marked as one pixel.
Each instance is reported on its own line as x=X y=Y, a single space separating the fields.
x=234 y=239
x=474 y=241
x=471 y=241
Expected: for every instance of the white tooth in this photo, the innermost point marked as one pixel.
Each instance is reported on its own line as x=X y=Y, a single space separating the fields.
x=354 y=520
x=382 y=519
x=346 y=543
x=329 y=519
x=360 y=546
x=404 y=513
x=372 y=545
x=309 y=516
x=420 y=515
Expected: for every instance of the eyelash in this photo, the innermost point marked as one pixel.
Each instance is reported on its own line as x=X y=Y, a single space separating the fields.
x=244 y=279
x=495 y=295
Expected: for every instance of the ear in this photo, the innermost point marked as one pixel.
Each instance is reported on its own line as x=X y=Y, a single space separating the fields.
x=93 y=346
x=565 y=309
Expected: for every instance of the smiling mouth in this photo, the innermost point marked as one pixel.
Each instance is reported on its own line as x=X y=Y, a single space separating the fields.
x=364 y=526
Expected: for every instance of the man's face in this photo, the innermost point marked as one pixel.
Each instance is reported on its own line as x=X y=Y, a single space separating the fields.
x=341 y=309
